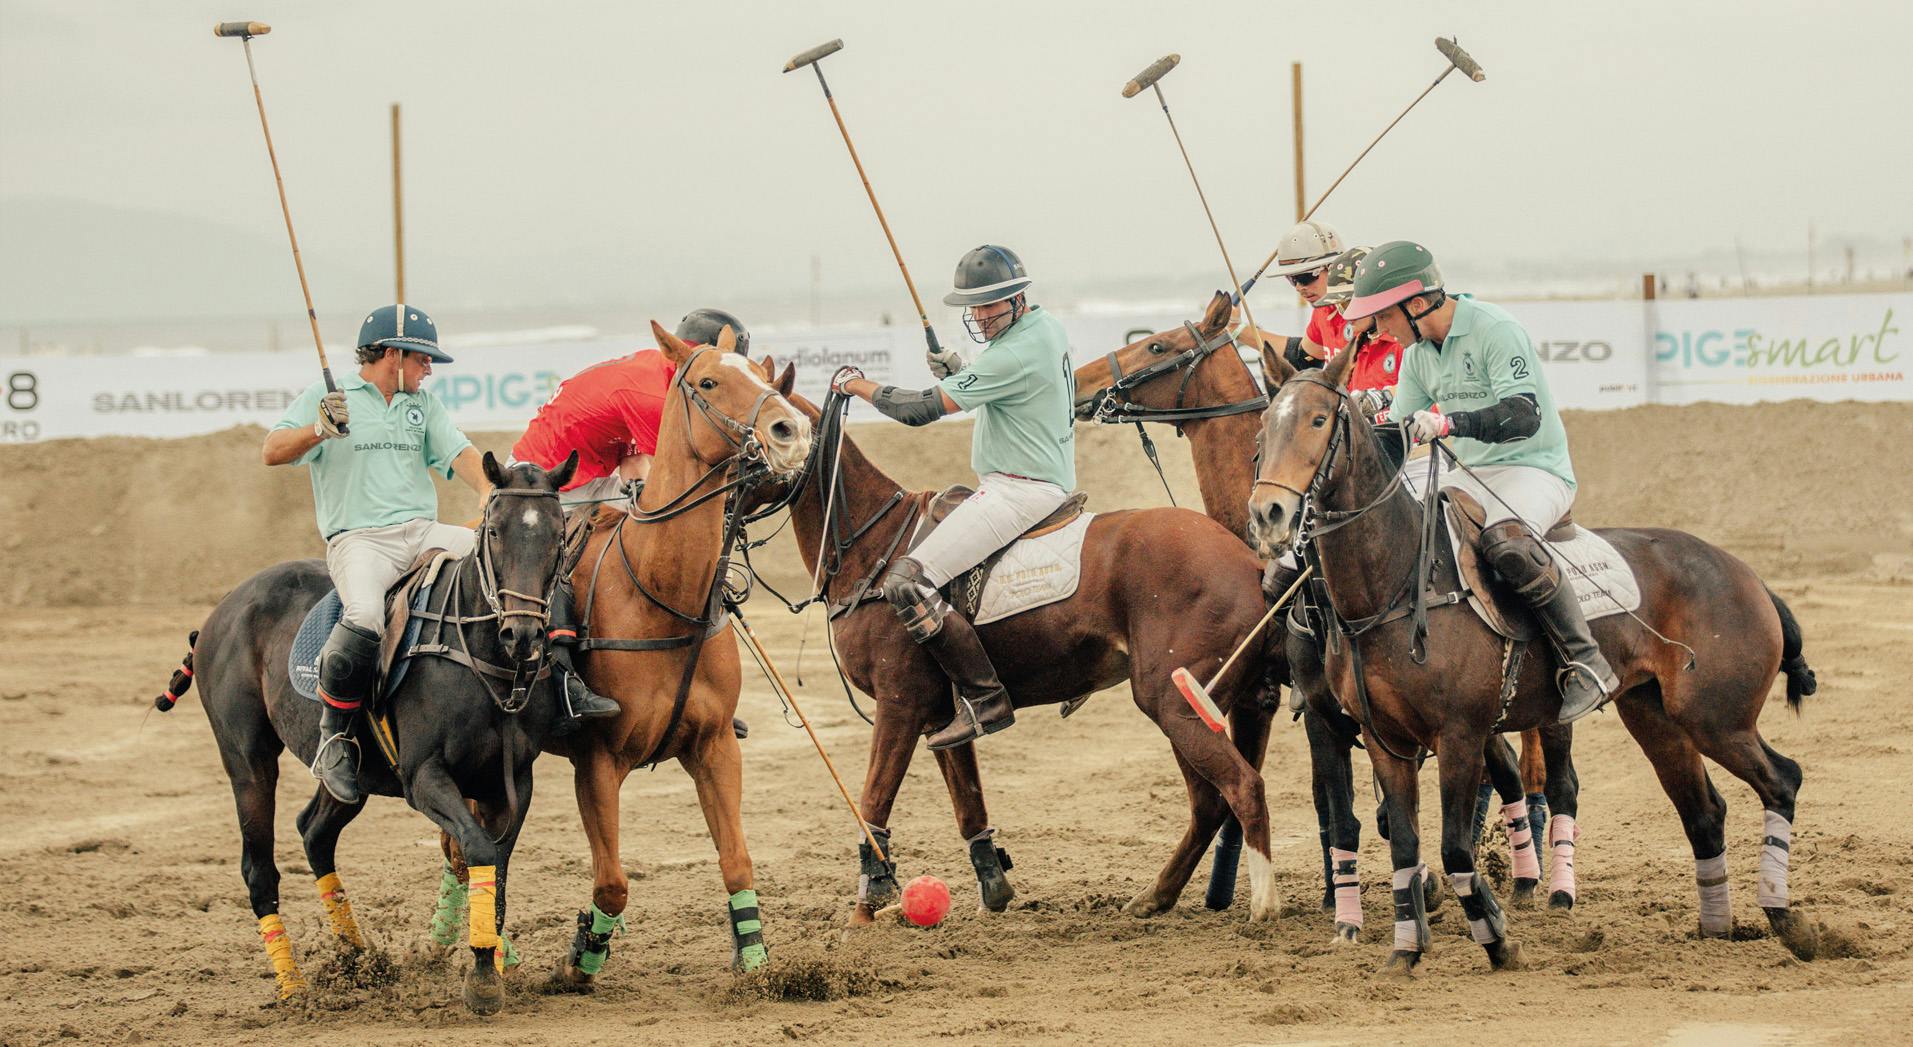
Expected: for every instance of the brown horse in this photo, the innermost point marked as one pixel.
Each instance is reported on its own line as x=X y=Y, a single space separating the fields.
x=1137 y=614
x=1695 y=664
x=649 y=586
x=1194 y=378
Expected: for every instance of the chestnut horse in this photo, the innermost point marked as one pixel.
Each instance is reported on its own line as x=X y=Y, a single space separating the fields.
x=1193 y=378
x=649 y=589
x=1695 y=664
x=1137 y=614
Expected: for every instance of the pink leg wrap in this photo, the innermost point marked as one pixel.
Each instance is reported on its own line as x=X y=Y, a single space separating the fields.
x=1521 y=840
x=1348 y=888
x=1562 y=833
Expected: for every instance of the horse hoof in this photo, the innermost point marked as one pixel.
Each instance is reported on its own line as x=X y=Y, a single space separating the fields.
x=996 y=896
x=1505 y=955
x=1431 y=895
x=1523 y=894
x=1346 y=934
x=1328 y=900
x=1561 y=900
x=1401 y=964
x=1145 y=905
x=1796 y=932
x=568 y=978
x=484 y=992
x=860 y=916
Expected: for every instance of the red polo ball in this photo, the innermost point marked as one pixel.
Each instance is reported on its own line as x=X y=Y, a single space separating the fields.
x=926 y=901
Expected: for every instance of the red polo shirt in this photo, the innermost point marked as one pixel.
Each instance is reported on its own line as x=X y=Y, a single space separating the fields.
x=1379 y=366
x=606 y=412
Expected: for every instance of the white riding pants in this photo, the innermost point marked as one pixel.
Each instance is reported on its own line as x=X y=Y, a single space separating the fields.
x=1536 y=497
x=1002 y=508
x=365 y=562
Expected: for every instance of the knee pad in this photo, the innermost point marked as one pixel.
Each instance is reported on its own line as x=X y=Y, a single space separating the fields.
x=348 y=662
x=1518 y=557
x=916 y=602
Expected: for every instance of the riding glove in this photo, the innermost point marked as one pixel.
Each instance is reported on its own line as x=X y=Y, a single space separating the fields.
x=333 y=416
x=1427 y=426
x=943 y=363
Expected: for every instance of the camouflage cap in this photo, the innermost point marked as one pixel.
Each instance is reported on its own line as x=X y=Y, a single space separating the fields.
x=1341 y=276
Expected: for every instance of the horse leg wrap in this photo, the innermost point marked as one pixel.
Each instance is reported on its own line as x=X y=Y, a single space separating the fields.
x=1485 y=922
x=1562 y=833
x=1521 y=840
x=748 y=951
x=272 y=931
x=990 y=863
x=451 y=908
x=1410 y=915
x=1716 y=914
x=339 y=910
x=1348 y=888
x=1538 y=816
x=1773 y=861
x=483 y=900
x=591 y=946
x=876 y=879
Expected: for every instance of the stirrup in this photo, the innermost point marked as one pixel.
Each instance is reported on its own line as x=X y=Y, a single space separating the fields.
x=342 y=738
x=966 y=711
x=1567 y=675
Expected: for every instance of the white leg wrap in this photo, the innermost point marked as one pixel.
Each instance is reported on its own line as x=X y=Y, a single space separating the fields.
x=1262 y=900
x=1562 y=834
x=1716 y=915
x=1348 y=888
x=1773 y=861
x=1521 y=840
x=1407 y=934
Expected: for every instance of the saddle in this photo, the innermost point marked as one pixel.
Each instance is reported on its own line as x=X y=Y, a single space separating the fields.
x=965 y=591
x=406 y=597
x=1491 y=598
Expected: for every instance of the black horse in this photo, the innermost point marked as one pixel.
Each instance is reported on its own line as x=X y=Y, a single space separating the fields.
x=466 y=721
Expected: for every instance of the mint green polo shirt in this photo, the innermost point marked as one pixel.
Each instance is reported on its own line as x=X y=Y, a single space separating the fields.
x=1486 y=358
x=381 y=472
x=1021 y=387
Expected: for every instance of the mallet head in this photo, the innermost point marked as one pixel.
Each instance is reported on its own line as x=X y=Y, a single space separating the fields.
x=241 y=29
x=1148 y=77
x=1452 y=51
x=812 y=55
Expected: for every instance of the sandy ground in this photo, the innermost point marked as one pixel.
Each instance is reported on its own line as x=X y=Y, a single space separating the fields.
x=123 y=917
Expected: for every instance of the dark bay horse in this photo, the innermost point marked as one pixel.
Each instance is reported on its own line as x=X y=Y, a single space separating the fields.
x=1696 y=664
x=1138 y=613
x=1193 y=378
x=460 y=736
x=650 y=589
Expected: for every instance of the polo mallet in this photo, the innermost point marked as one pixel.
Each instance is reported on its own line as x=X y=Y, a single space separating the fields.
x=1149 y=78
x=783 y=690
x=814 y=59
x=1197 y=693
x=245 y=31
x=1457 y=59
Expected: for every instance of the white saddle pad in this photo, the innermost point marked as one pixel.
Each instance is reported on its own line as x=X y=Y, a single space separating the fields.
x=1602 y=579
x=1035 y=572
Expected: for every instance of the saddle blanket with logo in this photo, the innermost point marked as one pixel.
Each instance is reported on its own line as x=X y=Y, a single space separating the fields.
x=1602 y=580
x=303 y=663
x=1030 y=573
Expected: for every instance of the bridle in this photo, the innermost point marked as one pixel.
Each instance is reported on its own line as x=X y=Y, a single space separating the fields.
x=1324 y=474
x=741 y=436
x=1113 y=405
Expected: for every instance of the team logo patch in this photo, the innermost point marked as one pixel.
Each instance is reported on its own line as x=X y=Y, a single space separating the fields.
x=414 y=417
x=1388 y=363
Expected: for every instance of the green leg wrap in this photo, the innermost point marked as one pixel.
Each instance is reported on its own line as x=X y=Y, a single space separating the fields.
x=592 y=946
x=508 y=956
x=748 y=952
x=448 y=922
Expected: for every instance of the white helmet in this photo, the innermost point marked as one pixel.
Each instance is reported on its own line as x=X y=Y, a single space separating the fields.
x=1307 y=247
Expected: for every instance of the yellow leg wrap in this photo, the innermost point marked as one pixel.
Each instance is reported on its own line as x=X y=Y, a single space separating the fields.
x=279 y=949
x=483 y=906
x=339 y=910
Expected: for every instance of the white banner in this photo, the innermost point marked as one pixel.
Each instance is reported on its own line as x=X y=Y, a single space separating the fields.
x=1597 y=355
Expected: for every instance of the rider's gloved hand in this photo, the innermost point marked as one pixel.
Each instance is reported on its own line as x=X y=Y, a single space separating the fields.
x=333 y=416
x=844 y=375
x=1427 y=426
x=943 y=363
x=1374 y=403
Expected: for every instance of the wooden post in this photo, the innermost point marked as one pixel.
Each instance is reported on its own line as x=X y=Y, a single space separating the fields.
x=1295 y=93
x=1647 y=287
x=1650 y=326
x=398 y=210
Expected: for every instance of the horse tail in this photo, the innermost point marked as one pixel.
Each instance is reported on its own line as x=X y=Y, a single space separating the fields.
x=182 y=677
x=1800 y=678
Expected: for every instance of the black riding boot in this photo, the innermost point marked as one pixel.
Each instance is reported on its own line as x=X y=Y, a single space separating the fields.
x=580 y=701
x=1518 y=557
x=1277 y=578
x=983 y=706
x=348 y=664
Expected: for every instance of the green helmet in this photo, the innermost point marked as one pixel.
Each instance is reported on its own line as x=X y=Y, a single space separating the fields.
x=1341 y=276
x=1391 y=274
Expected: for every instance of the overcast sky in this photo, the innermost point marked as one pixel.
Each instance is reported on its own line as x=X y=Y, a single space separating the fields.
x=589 y=151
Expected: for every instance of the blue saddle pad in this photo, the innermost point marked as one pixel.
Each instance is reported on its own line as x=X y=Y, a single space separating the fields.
x=303 y=663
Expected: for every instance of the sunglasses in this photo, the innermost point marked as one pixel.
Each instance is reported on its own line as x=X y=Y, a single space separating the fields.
x=1305 y=279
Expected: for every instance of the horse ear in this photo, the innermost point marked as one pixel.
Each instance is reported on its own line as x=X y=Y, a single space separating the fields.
x=727 y=340
x=562 y=475
x=787 y=381
x=1218 y=313
x=1340 y=368
x=673 y=348
x=493 y=471
x=1275 y=369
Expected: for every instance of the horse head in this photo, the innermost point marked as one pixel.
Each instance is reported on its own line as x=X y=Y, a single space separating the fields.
x=1306 y=426
x=521 y=539
x=730 y=406
x=1137 y=375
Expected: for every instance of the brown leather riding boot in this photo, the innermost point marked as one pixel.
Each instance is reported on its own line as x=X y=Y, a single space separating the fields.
x=982 y=705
